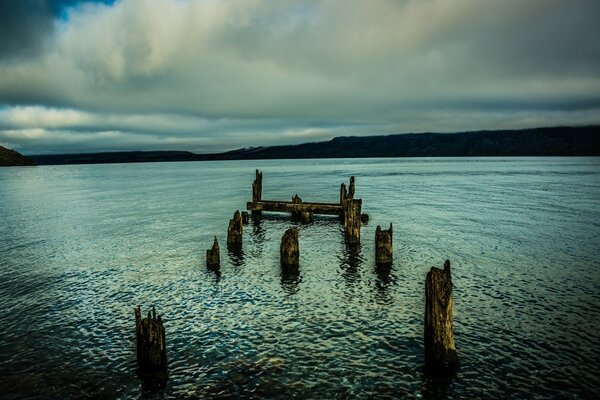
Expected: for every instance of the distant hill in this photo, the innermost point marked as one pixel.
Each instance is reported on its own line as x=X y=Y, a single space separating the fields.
x=560 y=141
x=10 y=158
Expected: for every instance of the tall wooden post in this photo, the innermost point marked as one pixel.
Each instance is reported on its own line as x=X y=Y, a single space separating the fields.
x=351 y=188
x=352 y=221
x=343 y=198
x=213 y=259
x=290 y=249
x=383 y=246
x=150 y=334
x=257 y=191
x=440 y=351
x=235 y=230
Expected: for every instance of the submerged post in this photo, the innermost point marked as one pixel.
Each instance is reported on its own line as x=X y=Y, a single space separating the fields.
x=235 y=230
x=257 y=191
x=290 y=249
x=440 y=351
x=352 y=221
x=213 y=259
x=151 y=349
x=383 y=246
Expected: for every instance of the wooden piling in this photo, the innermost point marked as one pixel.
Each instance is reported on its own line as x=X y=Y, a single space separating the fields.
x=300 y=214
x=290 y=249
x=235 y=230
x=213 y=259
x=383 y=246
x=352 y=221
x=351 y=188
x=440 y=351
x=257 y=192
x=150 y=334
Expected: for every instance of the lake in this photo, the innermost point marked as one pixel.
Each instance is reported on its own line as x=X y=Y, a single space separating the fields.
x=82 y=245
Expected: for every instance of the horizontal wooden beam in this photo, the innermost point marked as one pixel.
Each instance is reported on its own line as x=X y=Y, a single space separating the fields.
x=288 y=206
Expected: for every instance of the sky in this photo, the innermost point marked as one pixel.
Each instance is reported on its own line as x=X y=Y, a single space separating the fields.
x=213 y=75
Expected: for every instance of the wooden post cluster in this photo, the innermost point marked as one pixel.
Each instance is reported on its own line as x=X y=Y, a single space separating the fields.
x=290 y=249
x=257 y=191
x=151 y=349
x=440 y=351
x=383 y=246
x=213 y=259
x=235 y=230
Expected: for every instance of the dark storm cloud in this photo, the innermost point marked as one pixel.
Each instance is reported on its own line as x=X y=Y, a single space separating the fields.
x=26 y=24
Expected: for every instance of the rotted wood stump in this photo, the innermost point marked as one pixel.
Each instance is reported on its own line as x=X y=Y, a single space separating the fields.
x=235 y=230
x=383 y=246
x=352 y=222
x=440 y=351
x=151 y=349
x=257 y=191
x=213 y=259
x=303 y=216
x=290 y=249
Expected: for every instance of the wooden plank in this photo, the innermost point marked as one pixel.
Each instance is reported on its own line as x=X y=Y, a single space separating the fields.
x=288 y=206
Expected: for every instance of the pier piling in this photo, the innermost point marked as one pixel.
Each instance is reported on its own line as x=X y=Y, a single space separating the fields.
x=235 y=230
x=213 y=259
x=150 y=334
x=290 y=249
x=383 y=246
x=352 y=221
x=440 y=351
x=257 y=192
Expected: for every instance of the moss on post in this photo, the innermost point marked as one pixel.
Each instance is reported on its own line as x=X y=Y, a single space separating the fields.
x=150 y=337
x=440 y=351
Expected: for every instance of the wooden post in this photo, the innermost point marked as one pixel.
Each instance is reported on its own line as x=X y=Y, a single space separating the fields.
x=351 y=188
x=213 y=259
x=303 y=216
x=151 y=349
x=290 y=249
x=245 y=218
x=352 y=221
x=257 y=191
x=383 y=246
x=235 y=230
x=440 y=351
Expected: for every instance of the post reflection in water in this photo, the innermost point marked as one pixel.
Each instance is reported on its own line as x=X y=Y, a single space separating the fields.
x=351 y=261
x=235 y=253
x=290 y=279
x=384 y=280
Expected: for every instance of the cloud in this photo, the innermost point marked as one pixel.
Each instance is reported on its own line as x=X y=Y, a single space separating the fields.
x=257 y=70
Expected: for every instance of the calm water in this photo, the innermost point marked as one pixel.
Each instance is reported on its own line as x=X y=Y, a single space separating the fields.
x=80 y=246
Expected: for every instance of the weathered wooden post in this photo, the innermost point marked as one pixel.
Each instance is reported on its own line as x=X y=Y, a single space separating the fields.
x=235 y=230
x=151 y=349
x=352 y=221
x=440 y=351
x=245 y=218
x=213 y=259
x=351 y=188
x=303 y=216
x=290 y=249
x=257 y=191
x=383 y=246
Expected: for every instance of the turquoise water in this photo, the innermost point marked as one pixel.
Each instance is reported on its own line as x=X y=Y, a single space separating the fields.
x=80 y=246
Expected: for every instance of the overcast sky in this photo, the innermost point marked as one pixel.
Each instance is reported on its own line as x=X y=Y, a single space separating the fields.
x=212 y=75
